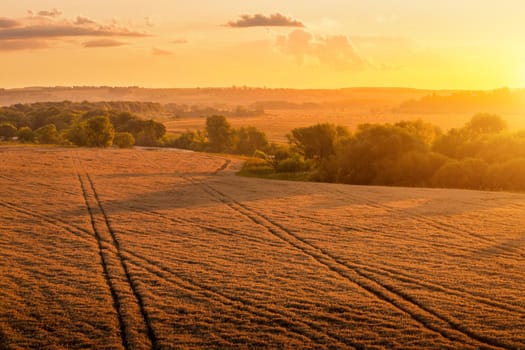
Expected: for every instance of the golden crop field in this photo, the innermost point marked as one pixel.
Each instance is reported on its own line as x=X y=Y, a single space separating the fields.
x=278 y=123
x=159 y=249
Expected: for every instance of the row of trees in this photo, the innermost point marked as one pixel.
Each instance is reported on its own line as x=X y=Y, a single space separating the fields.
x=79 y=124
x=220 y=137
x=481 y=155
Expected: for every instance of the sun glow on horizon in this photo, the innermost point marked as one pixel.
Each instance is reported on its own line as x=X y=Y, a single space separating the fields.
x=263 y=43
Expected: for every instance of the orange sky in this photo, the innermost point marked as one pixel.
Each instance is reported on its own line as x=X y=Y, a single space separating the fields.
x=328 y=44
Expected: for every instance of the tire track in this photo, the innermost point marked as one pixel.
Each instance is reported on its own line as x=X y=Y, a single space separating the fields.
x=361 y=228
x=379 y=270
x=39 y=185
x=423 y=315
x=139 y=332
x=437 y=224
x=405 y=277
x=253 y=308
x=215 y=295
x=104 y=262
x=56 y=222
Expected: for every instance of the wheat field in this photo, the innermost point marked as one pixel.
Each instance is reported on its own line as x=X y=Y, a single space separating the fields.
x=159 y=249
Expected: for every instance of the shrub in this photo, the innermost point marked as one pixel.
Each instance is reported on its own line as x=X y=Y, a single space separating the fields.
x=290 y=165
x=468 y=173
x=47 y=134
x=124 y=140
x=25 y=134
x=257 y=168
x=7 y=130
x=507 y=176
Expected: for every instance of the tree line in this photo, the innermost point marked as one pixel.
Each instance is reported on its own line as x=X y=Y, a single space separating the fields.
x=101 y=124
x=483 y=154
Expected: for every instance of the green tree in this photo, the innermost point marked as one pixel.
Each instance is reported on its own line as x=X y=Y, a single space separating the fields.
x=7 y=131
x=372 y=152
x=219 y=133
x=95 y=132
x=249 y=139
x=25 y=134
x=466 y=173
x=507 y=176
x=124 y=140
x=317 y=141
x=426 y=132
x=47 y=134
x=484 y=123
x=99 y=132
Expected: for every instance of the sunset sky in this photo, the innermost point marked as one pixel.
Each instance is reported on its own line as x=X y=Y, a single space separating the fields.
x=467 y=44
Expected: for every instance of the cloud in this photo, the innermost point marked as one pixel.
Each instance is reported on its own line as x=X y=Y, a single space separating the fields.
x=335 y=51
x=259 y=20
x=38 y=30
x=103 y=43
x=53 y=13
x=180 y=41
x=63 y=30
x=159 y=52
x=8 y=23
x=16 y=45
x=83 y=20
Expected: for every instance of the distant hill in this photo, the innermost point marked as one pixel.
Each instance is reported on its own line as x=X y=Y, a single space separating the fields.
x=216 y=97
x=496 y=101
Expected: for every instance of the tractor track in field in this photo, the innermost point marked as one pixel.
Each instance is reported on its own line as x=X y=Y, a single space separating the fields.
x=436 y=224
x=131 y=325
x=405 y=277
x=247 y=305
x=39 y=185
x=103 y=259
x=56 y=222
x=134 y=324
x=393 y=274
x=213 y=295
x=426 y=317
x=362 y=228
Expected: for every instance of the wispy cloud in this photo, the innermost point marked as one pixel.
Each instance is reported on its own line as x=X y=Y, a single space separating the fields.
x=159 y=52
x=180 y=41
x=52 y=13
x=259 y=20
x=103 y=43
x=49 y=25
x=64 y=30
x=335 y=51
x=17 y=45
x=8 y=23
x=83 y=20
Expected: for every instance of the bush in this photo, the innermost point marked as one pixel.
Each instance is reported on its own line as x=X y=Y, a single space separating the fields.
x=25 y=134
x=124 y=140
x=507 y=176
x=7 y=131
x=257 y=168
x=47 y=134
x=468 y=173
x=290 y=165
x=95 y=132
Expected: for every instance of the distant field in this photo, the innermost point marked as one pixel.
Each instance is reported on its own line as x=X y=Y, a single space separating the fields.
x=277 y=123
x=144 y=249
